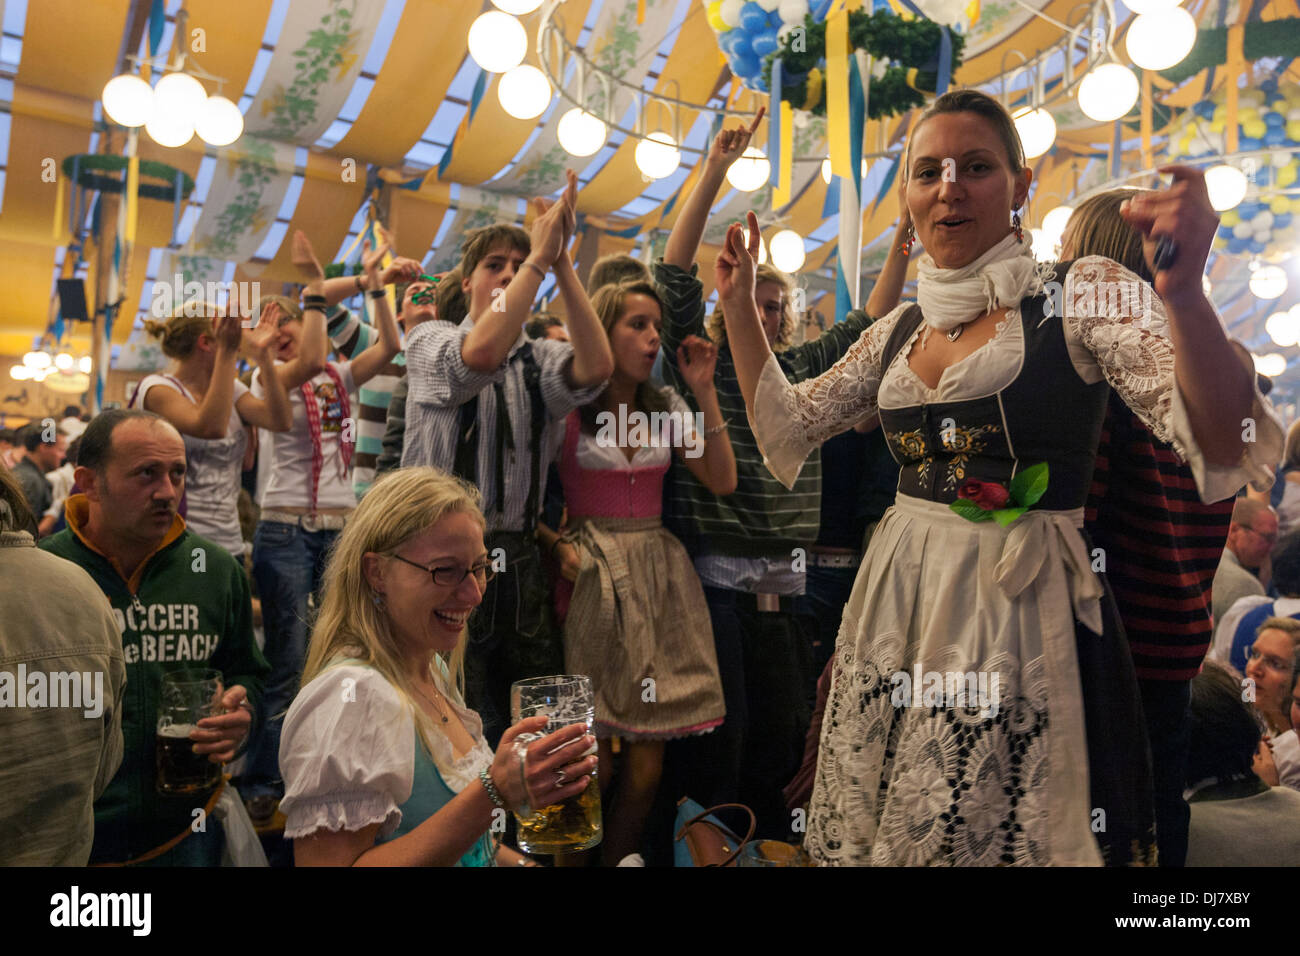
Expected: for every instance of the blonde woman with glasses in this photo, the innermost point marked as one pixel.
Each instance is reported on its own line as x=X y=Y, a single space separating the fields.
x=383 y=763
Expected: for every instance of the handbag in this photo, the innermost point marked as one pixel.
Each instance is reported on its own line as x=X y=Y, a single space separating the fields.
x=703 y=840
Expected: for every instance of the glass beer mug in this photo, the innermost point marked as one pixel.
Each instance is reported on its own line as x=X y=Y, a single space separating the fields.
x=574 y=824
x=187 y=697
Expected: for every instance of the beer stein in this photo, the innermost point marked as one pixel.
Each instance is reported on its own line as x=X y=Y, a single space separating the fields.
x=574 y=824
x=187 y=696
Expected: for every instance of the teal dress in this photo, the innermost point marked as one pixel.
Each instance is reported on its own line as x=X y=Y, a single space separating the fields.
x=429 y=794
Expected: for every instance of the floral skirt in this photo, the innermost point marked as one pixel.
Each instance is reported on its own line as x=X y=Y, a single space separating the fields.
x=639 y=627
x=983 y=709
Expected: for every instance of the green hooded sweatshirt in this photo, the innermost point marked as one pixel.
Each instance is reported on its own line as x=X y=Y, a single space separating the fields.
x=187 y=604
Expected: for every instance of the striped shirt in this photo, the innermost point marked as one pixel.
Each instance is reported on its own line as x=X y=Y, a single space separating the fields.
x=351 y=336
x=760 y=518
x=1161 y=544
x=440 y=383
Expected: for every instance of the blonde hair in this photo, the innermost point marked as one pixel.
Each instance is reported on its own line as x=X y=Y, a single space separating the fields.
x=785 y=335
x=180 y=334
x=1097 y=229
x=609 y=302
x=1291 y=450
x=350 y=625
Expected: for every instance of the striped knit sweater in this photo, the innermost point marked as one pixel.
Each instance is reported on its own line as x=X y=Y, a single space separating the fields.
x=1162 y=546
x=760 y=518
x=351 y=336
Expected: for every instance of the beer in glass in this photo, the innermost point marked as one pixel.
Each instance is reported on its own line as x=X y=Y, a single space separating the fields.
x=187 y=697
x=574 y=824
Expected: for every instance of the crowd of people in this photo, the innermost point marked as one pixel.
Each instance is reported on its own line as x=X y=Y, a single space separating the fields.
x=373 y=522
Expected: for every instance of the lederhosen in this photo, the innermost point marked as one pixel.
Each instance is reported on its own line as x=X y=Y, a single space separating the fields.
x=993 y=437
x=512 y=634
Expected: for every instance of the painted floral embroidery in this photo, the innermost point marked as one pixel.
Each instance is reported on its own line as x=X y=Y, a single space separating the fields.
x=963 y=442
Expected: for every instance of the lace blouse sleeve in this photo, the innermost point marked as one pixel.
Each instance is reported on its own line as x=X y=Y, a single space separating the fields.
x=347 y=754
x=1116 y=327
x=789 y=421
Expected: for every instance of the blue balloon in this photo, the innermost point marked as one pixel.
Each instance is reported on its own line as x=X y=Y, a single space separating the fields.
x=1249 y=143
x=1274 y=118
x=1275 y=137
x=1204 y=109
x=1256 y=246
x=760 y=84
x=1236 y=246
x=774 y=20
x=765 y=43
x=753 y=18
x=742 y=46
x=745 y=66
x=1249 y=210
x=1269 y=85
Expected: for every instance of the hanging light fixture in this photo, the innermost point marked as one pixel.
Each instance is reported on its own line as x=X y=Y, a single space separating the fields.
x=1037 y=129
x=581 y=133
x=1272 y=365
x=37 y=359
x=524 y=92
x=1143 y=7
x=219 y=122
x=1268 y=282
x=497 y=41
x=657 y=156
x=750 y=171
x=20 y=373
x=1226 y=185
x=1161 y=39
x=1108 y=92
x=128 y=100
x=1283 y=328
x=63 y=361
x=1055 y=221
x=826 y=169
x=83 y=364
x=517 y=8
x=787 y=251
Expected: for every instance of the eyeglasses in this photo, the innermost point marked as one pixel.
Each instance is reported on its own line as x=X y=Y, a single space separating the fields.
x=453 y=576
x=1275 y=664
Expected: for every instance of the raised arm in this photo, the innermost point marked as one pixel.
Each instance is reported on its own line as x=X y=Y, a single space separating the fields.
x=313 y=345
x=494 y=333
x=888 y=290
x=707 y=455
x=209 y=418
x=728 y=146
x=368 y=363
x=593 y=362
x=274 y=411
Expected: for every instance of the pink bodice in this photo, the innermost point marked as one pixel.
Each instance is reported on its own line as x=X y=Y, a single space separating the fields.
x=607 y=493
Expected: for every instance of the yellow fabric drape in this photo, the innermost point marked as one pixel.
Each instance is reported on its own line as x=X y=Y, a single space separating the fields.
x=782 y=193
x=132 y=198
x=837 y=92
x=1235 y=66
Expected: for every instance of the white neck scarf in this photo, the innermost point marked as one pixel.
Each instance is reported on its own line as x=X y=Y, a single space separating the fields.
x=1001 y=277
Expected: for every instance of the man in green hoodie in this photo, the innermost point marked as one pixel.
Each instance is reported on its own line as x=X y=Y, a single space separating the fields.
x=180 y=602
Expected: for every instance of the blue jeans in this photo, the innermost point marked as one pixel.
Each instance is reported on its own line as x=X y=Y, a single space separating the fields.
x=288 y=563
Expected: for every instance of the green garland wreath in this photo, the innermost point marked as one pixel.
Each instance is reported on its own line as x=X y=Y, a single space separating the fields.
x=97 y=171
x=882 y=34
x=1260 y=39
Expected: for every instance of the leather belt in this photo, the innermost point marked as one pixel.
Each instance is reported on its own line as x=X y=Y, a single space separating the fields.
x=308 y=522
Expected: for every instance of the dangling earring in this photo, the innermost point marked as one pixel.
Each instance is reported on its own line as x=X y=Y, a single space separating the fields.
x=906 y=247
x=378 y=601
x=1015 y=224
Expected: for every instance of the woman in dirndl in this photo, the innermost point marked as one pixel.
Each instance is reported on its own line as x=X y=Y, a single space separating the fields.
x=984 y=709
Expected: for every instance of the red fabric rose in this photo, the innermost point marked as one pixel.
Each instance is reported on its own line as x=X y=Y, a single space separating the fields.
x=987 y=495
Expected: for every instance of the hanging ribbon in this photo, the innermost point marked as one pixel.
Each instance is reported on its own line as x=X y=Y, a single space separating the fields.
x=132 y=197
x=157 y=22
x=774 y=125
x=475 y=98
x=945 y=53
x=57 y=232
x=832 y=201
x=837 y=92
x=850 y=246
x=176 y=208
x=781 y=195
x=1236 y=66
x=1145 y=123
x=74 y=200
x=640 y=11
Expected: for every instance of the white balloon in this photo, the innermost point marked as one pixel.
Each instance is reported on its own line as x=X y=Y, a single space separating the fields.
x=1263 y=221
x=1281 y=159
x=730 y=12
x=792 y=11
x=1293 y=115
x=1242 y=230
x=768 y=6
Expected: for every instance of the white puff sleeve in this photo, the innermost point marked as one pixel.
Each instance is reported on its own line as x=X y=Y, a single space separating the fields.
x=347 y=754
x=1116 y=327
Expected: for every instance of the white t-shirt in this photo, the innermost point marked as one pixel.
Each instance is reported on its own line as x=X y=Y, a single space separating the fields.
x=212 y=478
x=289 y=453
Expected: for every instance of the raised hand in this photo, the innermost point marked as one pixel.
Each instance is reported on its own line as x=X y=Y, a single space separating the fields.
x=730 y=144
x=697 y=359
x=401 y=269
x=555 y=223
x=370 y=261
x=259 y=341
x=1182 y=212
x=733 y=272
x=304 y=259
x=227 y=329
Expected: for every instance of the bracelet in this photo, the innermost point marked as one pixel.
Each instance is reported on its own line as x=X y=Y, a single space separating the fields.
x=316 y=302
x=560 y=539
x=360 y=287
x=493 y=794
x=536 y=268
x=710 y=432
x=376 y=293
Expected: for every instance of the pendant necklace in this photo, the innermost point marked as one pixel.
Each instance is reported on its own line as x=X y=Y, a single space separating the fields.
x=441 y=712
x=955 y=333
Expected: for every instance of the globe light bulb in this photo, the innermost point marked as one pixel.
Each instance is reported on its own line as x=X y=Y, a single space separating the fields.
x=1054 y=222
x=63 y=361
x=1283 y=329
x=1272 y=365
x=20 y=373
x=219 y=122
x=524 y=92
x=787 y=251
x=84 y=364
x=1159 y=40
x=497 y=42
x=826 y=169
x=750 y=171
x=1141 y=7
x=1043 y=246
x=1268 y=282
x=517 y=8
x=1226 y=186
x=657 y=155
x=1037 y=129
x=169 y=129
x=1108 y=92
x=128 y=100
x=181 y=95
x=37 y=359
x=581 y=133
